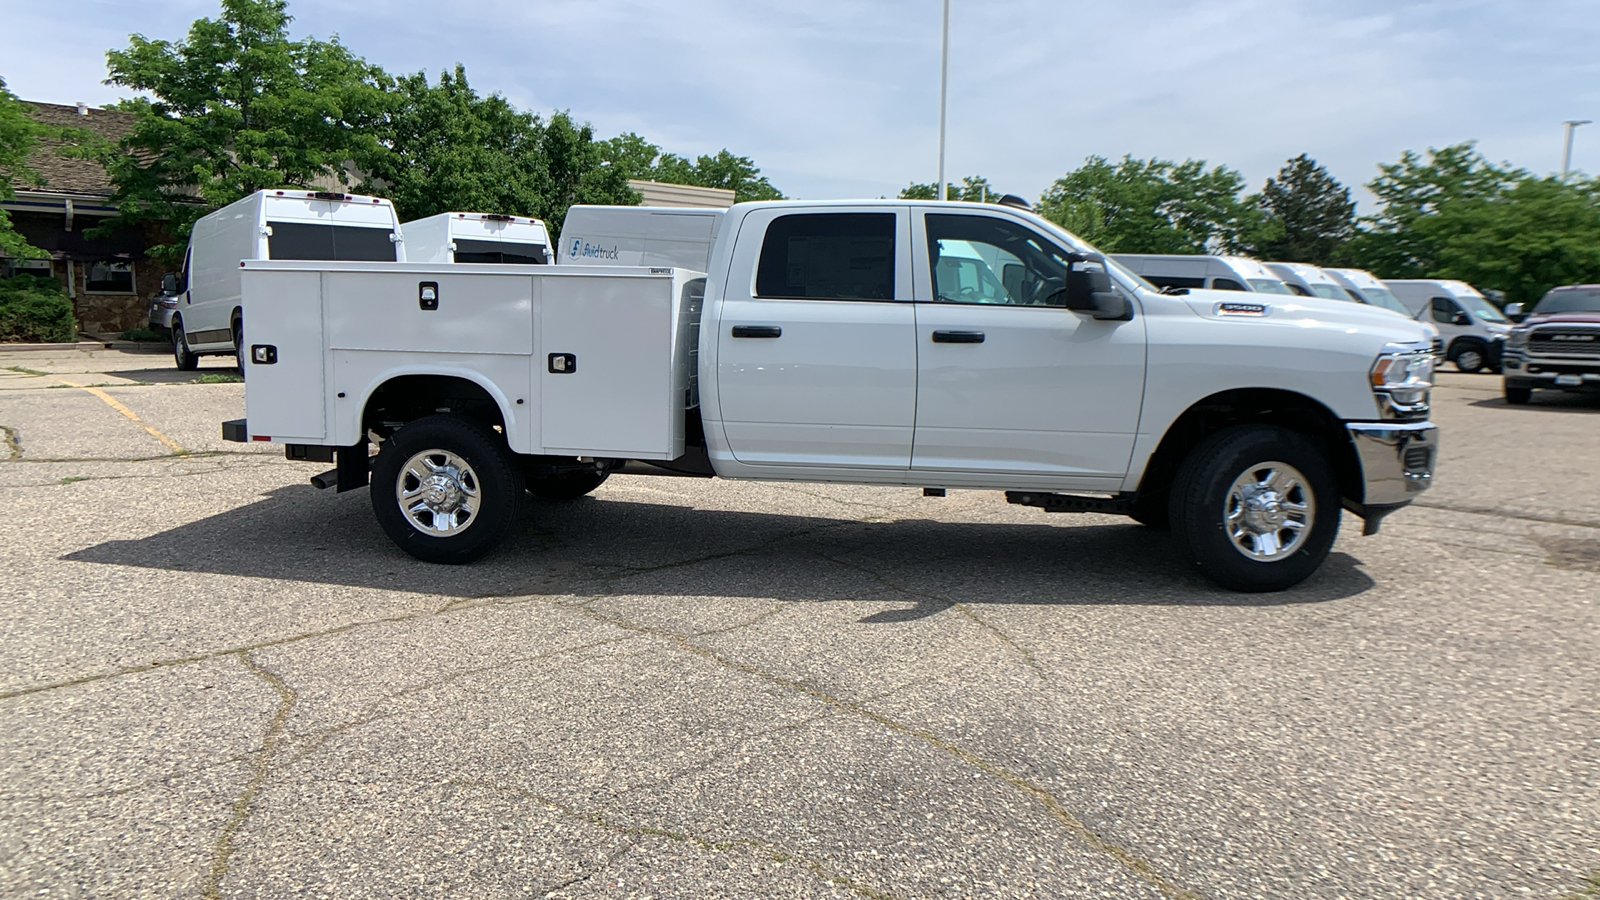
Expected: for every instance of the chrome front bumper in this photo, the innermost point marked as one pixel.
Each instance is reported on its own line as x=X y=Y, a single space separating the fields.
x=1396 y=460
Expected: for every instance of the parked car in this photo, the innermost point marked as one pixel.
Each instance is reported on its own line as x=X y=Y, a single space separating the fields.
x=1365 y=287
x=1309 y=281
x=1557 y=345
x=1474 y=330
x=468 y=237
x=164 y=305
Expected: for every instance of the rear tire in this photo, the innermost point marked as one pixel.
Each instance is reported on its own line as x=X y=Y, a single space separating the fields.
x=1517 y=396
x=1255 y=508
x=446 y=489
x=239 y=354
x=566 y=488
x=185 y=360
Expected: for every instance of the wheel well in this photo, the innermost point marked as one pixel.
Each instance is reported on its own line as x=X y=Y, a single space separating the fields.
x=235 y=318
x=1462 y=342
x=1253 y=406
x=409 y=397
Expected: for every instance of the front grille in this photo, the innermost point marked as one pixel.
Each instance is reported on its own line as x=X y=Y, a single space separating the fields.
x=1584 y=342
x=1419 y=459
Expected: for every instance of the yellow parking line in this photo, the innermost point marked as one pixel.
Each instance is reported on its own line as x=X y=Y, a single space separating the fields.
x=114 y=404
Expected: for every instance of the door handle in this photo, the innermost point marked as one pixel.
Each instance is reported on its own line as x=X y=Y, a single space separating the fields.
x=958 y=337
x=757 y=331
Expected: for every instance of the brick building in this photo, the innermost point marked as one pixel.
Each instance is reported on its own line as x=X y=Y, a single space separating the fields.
x=110 y=279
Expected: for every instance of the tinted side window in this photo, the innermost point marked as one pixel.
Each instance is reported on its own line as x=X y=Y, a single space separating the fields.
x=828 y=256
x=1226 y=284
x=309 y=240
x=1445 y=310
x=1175 y=281
x=468 y=251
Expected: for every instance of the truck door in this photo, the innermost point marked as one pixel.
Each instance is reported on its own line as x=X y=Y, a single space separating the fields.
x=1008 y=379
x=816 y=353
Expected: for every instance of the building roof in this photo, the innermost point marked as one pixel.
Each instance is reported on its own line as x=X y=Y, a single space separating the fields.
x=64 y=175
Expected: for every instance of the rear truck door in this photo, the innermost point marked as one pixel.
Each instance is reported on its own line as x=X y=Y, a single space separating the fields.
x=1008 y=379
x=816 y=341
x=285 y=396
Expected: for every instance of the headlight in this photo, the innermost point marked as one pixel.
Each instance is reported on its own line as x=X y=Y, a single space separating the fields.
x=1518 y=338
x=1401 y=380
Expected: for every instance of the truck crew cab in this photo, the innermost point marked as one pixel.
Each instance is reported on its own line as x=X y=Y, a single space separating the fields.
x=841 y=342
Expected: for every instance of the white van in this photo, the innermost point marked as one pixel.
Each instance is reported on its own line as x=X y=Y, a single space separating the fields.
x=658 y=236
x=467 y=237
x=286 y=224
x=1219 y=273
x=1309 y=281
x=1365 y=287
x=1474 y=330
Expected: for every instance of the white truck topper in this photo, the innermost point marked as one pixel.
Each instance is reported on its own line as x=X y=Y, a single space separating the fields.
x=475 y=237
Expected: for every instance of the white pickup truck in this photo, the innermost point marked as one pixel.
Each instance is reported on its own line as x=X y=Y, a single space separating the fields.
x=924 y=344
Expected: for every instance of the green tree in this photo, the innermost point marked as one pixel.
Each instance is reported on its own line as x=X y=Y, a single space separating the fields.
x=1152 y=206
x=1306 y=215
x=972 y=189
x=19 y=138
x=238 y=106
x=1453 y=214
x=576 y=171
x=450 y=149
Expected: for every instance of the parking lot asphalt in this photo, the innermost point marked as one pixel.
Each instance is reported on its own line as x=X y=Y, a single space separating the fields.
x=216 y=681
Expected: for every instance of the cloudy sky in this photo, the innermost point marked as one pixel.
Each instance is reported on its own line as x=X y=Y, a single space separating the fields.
x=840 y=98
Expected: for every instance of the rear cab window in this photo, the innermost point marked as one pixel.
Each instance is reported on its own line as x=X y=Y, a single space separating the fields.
x=828 y=256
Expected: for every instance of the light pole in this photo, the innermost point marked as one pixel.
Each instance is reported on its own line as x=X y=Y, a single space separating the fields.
x=1566 y=147
x=944 y=85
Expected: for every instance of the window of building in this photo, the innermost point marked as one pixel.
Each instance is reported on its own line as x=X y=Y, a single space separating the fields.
x=39 y=268
x=828 y=256
x=108 y=276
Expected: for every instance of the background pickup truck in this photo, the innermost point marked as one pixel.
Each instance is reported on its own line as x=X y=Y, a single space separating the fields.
x=932 y=345
x=1557 y=345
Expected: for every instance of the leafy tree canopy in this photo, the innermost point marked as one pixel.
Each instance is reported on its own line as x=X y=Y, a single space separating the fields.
x=1306 y=215
x=972 y=189
x=238 y=106
x=1152 y=206
x=19 y=137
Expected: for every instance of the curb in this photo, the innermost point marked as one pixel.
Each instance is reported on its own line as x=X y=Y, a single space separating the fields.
x=75 y=347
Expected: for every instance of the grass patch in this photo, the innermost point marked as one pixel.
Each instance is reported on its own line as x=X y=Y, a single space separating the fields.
x=24 y=370
x=141 y=334
x=74 y=479
x=1589 y=891
x=218 y=378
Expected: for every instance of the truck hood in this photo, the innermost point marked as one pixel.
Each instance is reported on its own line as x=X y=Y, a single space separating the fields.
x=1309 y=312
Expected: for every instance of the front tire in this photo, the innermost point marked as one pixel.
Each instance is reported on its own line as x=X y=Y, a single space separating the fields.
x=1255 y=508
x=446 y=489
x=185 y=360
x=1471 y=359
x=565 y=488
x=1517 y=396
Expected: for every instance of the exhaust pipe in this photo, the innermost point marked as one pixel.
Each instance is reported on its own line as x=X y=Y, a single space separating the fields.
x=326 y=480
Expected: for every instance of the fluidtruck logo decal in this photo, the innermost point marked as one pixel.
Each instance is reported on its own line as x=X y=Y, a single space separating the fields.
x=582 y=248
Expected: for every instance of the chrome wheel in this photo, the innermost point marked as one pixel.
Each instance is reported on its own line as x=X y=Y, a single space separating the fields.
x=1268 y=512
x=438 y=492
x=1469 y=361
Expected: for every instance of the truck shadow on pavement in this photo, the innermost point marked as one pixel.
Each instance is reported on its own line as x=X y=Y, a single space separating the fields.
x=1546 y=401
x=597 y=547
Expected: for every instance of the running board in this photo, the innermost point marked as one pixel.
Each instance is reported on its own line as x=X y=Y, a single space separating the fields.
x=1072 y=503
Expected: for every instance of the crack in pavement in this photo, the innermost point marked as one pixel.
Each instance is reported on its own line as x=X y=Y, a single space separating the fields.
x=1507 y=514
x=962 y=608
x=13 y=442
x=186 y=454
x=1052 y=804
x=75 y=479
x=600 y=820
x=261 y=767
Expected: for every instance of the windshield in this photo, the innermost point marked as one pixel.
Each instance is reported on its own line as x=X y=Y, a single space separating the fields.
x=1584 y=300
x=1329 y=292
x=1482 y=308
x=1385 y=298
x=1269 y=286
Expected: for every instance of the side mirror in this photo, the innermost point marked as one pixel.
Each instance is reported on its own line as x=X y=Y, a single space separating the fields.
x=1460 y=318
x=1089 y=289
x=169 y=283
x=1514 y=312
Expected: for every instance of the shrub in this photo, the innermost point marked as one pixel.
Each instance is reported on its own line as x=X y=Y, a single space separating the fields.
x=35 y=310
